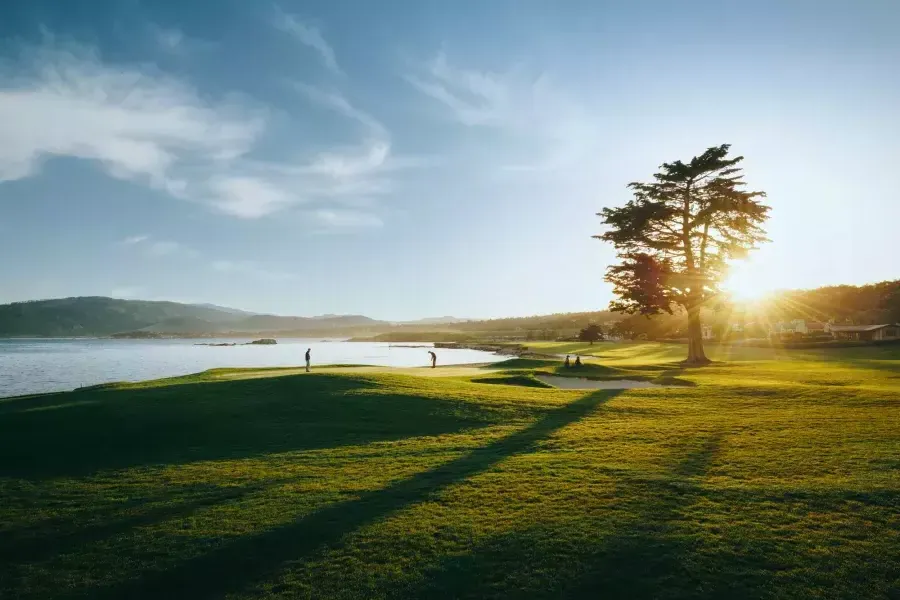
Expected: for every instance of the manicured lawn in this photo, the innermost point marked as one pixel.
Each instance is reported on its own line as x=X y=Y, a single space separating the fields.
x=775 y=474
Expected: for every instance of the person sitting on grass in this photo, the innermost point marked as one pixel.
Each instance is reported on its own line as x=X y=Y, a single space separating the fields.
x=577 y=361
x=567 y=364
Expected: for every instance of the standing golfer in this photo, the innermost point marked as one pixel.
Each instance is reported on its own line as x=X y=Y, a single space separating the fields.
x=307 y=359
x=433 y=359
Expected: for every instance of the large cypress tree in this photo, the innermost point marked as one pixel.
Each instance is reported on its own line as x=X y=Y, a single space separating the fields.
x=674 y=238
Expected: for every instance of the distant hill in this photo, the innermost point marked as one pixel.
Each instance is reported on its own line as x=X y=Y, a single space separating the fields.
x=100 y=316
x=97 y=316
x=436 y=321
x=234 y=311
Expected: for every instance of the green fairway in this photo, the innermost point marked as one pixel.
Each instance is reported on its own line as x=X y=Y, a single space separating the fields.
x=771 y=474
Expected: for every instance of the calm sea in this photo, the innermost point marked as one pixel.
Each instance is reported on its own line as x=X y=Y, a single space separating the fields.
x=29 y=366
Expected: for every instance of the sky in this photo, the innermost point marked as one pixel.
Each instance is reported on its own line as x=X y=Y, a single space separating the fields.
x=408 y=159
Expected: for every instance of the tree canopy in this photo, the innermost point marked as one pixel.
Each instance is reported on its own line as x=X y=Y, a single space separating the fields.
x=592 y=333
x=676 y=236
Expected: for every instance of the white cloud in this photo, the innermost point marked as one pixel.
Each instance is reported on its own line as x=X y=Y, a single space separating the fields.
x=338 y=103
x=352 y=163
x=153 y=247
x=474 y=97
x=249 y=197
x=340 y=175
x=140 y=125
x=251 y=268
x=548 y=127
x=137 y=124
x=308 y=35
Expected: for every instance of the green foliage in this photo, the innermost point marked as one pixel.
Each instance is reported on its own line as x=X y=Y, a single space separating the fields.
x=774 y=476
x=592 y=333
x=676 y=235
x=864 y=304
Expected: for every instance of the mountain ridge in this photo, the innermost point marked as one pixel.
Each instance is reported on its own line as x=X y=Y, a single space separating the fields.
x=93 y=316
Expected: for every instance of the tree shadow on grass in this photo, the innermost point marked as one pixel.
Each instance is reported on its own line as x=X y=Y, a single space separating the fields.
x=647 y=557
x=251 y=559
x=47 y=539
x=79 y=433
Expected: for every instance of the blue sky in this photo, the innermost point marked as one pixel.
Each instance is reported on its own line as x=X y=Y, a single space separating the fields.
x=411 y=159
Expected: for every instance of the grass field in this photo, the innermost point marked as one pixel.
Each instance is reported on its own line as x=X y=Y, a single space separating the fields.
x=769 y=475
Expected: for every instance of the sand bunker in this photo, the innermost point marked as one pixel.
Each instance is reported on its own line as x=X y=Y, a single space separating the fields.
x=580 y=383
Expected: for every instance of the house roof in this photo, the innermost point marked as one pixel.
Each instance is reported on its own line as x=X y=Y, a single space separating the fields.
x=860 y=328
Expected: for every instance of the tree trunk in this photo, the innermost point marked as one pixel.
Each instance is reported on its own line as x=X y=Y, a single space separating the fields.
x=696 y=355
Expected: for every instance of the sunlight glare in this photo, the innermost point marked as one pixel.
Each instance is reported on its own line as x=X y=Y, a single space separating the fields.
x=744 y=284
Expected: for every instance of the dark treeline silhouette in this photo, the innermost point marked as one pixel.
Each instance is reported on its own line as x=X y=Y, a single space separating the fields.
x=861 y=305
x=842 y=304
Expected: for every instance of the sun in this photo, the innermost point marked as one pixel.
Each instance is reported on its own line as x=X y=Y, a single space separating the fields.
x=745 y=284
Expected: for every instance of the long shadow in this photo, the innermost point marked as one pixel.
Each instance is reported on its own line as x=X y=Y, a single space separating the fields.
x=80 y=433
x=251 y=559
x=654 y=553
x=44 y=541
x=644 y=559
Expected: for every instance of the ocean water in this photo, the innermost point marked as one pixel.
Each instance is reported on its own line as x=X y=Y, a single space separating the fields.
x=29 y=366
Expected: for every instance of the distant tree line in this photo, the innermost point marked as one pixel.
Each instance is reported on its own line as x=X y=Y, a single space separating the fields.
x=843 y=304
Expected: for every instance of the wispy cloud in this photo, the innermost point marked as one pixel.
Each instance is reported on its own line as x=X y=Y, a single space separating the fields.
x=545 y=122
x=338 y=103
x=137 y=124
x=250 y=197
x=250 y=268
x=474 y=97
x=153 y=247
x=140 y=125
x=338 y=175
x=308 y=35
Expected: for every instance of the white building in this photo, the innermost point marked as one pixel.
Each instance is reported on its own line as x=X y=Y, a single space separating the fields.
x=801 y=326
x=885 y=331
